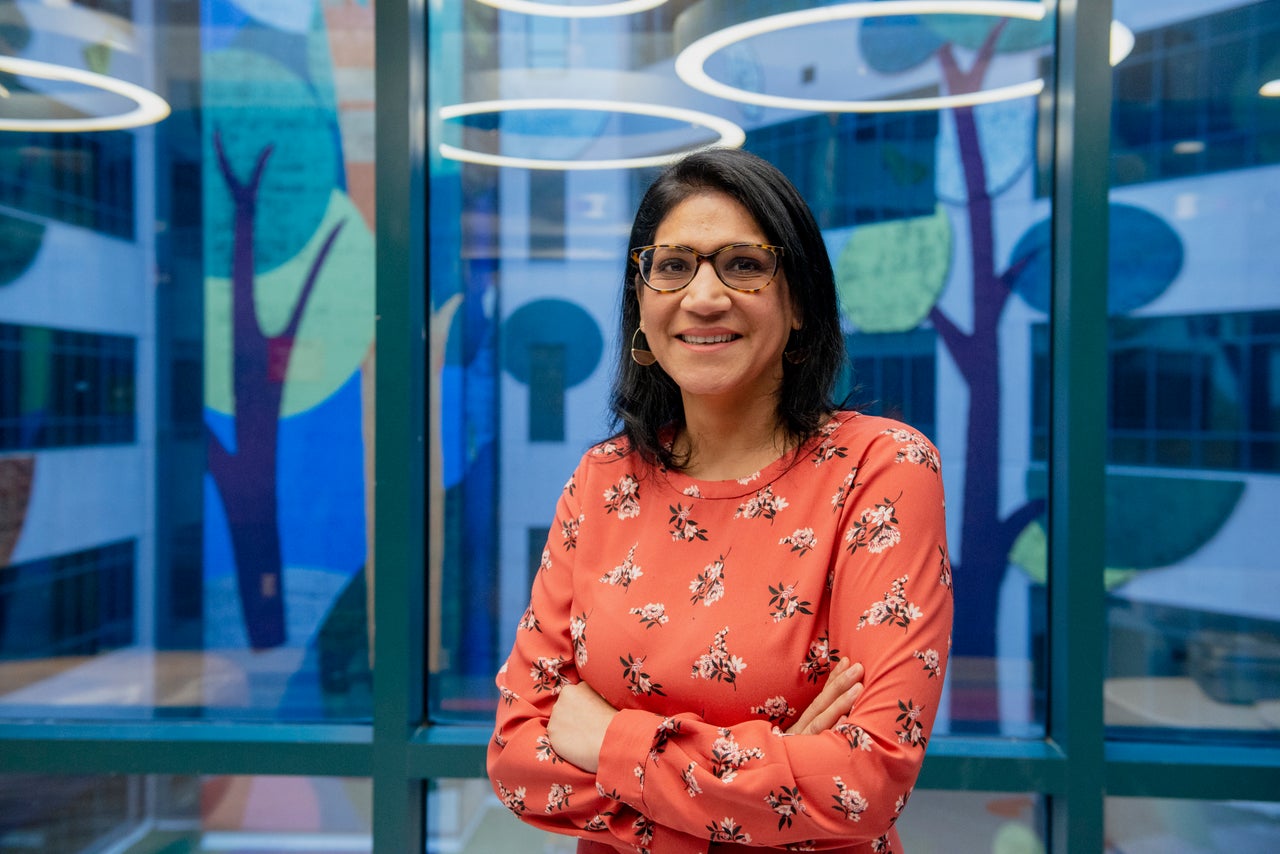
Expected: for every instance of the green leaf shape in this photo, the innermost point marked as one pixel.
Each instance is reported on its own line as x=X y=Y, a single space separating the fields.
x=254 y=102
x=97 y=57
x=337 y=326
x=1030 y=553
x=889 y=274
x=1153 y=521
x=970 y=31
x=1016 y=838
x=20 y=241
x=15 y=29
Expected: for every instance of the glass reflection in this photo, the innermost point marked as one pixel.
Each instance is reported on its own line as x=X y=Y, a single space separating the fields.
x=920 y=209
x=184 y=815
x=1139 y=825
x=1193 y=432
x=464 y=816
x=186 y=362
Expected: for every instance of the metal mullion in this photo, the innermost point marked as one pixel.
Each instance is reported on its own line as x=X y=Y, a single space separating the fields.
x=1078 y=330
x=994 y=765
x=399 y=547
x=448 y=751
x=981 y=764
x=1193 y=771
x=185 y=747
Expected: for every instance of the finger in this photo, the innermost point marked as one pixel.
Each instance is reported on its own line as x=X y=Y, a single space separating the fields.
x=830 y=689
x=839 y=710
x=841 y=679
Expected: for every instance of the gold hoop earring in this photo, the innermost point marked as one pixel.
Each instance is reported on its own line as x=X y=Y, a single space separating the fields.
x=797 y=354
x=642 y=356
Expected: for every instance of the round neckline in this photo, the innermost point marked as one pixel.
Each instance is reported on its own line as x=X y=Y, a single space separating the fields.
x=739 y=487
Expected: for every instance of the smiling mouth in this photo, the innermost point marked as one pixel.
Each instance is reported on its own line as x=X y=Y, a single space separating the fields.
x=708 y=339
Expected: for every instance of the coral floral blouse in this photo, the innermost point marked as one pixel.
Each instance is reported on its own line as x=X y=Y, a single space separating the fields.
x=709 y=613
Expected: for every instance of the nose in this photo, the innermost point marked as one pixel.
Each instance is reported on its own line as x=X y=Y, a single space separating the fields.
x=706 y=294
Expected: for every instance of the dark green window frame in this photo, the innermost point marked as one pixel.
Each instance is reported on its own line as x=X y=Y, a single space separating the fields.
x=1074 y=766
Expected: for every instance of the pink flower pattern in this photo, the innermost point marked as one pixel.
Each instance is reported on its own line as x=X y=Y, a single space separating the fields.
x=684 y=529
x=716 y=663
x=801 y=540
x=617 y=562
x=763 y=505
x=728 y=757
x=624 y=573
x=786 y=603
x=653 y=614
x=708 y=587
x=892 y=609
x=915 y=449
x=623 y=498
x=775 y=709
x=875 y=530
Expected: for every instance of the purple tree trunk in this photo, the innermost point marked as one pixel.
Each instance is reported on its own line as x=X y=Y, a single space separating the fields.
x=985 y=537
x=247 y=477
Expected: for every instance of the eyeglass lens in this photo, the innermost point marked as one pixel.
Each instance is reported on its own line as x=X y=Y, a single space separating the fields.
x=669 y=268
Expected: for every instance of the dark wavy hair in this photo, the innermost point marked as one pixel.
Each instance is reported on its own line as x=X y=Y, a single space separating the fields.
x=645 y=400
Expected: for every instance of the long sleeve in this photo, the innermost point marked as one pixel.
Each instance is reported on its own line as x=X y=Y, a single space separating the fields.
x=891 y=609
x=529 y=778
x=710 y=614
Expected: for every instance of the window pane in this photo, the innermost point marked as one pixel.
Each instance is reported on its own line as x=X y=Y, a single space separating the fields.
x=1154 y=826
x=194 y=815
x=464 y=816
x=530 y=211
x=186 y=363
x=1193 y=615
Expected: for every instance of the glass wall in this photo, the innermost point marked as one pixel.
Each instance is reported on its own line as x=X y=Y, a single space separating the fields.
x=206 y=249
x=914 y=140
x=187 y=814
x=1193 y=428
x=464 y=817
x=186 y=340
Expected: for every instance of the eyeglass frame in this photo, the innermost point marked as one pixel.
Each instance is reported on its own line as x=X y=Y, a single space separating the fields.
x=698 y=257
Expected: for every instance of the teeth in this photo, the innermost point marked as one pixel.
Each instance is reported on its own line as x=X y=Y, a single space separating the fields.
x=708 y=339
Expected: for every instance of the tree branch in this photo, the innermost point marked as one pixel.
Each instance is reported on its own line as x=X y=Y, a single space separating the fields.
x=1011 y=526
x=956 y=341
x=295 y=318
x=988 y=49
x=220 y=459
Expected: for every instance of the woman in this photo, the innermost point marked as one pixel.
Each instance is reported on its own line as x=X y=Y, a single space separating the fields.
x=684 y=679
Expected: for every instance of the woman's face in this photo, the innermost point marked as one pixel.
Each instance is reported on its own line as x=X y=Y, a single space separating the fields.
x=719 y=345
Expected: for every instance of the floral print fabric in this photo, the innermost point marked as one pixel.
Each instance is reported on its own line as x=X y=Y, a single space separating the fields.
x=710 y=614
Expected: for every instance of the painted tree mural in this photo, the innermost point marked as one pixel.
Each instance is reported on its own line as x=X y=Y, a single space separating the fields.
x=288 y=323
x=247 y=476
x=892 y=276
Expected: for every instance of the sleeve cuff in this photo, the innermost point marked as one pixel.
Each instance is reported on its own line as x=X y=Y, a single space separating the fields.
x=625 y=754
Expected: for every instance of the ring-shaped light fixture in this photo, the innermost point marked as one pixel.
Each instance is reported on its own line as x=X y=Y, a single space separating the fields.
x=691 y=62
x=559 y=10
x=150 y=107
x=731 y=135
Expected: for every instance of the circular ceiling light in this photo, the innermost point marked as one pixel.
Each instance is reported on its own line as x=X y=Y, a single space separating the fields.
x=1122 y=41
x=1270 y=89
x=149 y=107
x=730 y=134
x=560 y=10
x=691 y=62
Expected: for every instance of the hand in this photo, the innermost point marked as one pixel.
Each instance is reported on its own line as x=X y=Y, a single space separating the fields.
x=577 y=725
x=834 y=703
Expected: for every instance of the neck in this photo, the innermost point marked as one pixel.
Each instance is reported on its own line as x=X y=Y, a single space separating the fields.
x=730 y=442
